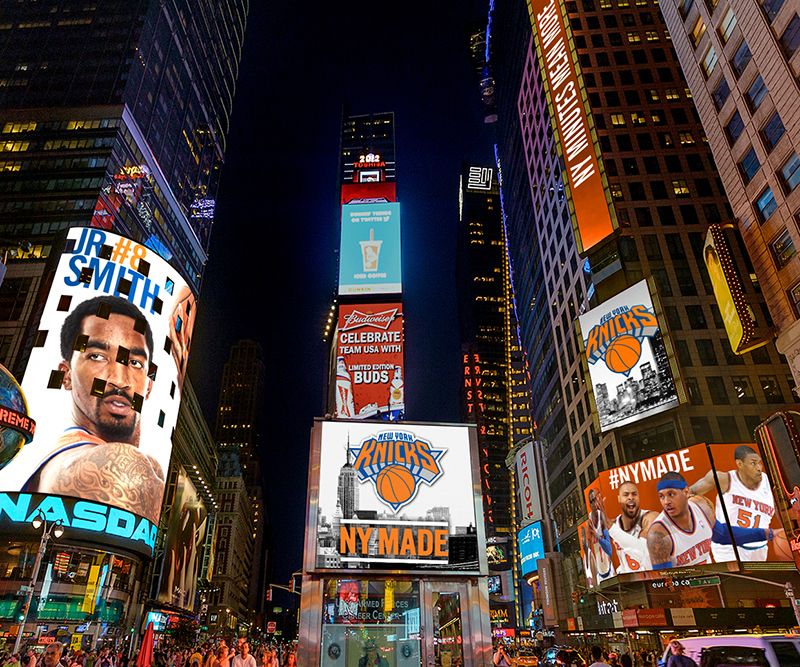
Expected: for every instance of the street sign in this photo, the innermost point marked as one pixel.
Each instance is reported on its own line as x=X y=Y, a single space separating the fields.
x=23 y=589
x=271 y=627
x=706 y=581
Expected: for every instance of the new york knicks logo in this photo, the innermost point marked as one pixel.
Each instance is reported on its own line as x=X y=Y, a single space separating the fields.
x=396 y=463
x=618 y=338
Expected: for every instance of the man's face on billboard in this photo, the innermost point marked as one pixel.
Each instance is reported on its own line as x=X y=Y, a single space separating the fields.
x=110 y=415
x=751 y=469
x=673 y=501
x=629 y=499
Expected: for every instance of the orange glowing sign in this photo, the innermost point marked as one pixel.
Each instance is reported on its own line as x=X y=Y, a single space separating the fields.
x=593 y=215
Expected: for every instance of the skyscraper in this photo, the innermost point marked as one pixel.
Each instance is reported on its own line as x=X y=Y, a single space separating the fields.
x=740 y=67
x=347 y=492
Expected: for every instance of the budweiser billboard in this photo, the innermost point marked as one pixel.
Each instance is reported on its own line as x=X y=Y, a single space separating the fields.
x=369 y=364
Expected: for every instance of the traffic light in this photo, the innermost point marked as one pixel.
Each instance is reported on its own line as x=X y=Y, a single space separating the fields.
x=581 y=596
x=575 y=597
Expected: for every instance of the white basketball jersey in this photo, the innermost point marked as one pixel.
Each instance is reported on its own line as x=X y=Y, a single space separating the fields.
x=747 y=508
x=633 y=560
x=689 y=548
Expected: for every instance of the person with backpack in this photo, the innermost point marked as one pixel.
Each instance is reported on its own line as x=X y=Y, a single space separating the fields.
x=677 y=659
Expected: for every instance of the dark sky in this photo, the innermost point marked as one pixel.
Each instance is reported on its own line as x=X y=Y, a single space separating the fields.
x=271 y=269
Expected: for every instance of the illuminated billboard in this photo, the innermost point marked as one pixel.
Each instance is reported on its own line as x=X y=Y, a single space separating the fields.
x=629 y=369
x=531 y=547
x=369 y=193
x=105 y=373
x=593 y=213
x=394 y=497
x=369 y=373
x=665 y=512
x=527 y=484
x=740 y=325
x=369 y=257
x=183 y=552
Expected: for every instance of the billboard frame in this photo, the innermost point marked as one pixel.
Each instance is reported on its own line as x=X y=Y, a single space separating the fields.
x=312 y=510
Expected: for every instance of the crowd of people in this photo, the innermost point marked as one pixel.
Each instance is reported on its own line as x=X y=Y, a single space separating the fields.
x=57 y=654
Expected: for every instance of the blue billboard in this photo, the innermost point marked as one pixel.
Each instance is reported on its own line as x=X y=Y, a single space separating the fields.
x=369 y=257
x=531 y=547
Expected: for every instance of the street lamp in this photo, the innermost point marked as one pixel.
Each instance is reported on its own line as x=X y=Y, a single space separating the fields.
x=57 y=530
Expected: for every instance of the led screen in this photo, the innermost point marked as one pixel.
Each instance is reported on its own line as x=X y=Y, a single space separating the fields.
x=104 y=377
x=531 y=547
x=369 y=365
x=369 y=193
x=628 y=364
x=665 y=512
x=183 y=552
x=395 y=498
x=369 y=257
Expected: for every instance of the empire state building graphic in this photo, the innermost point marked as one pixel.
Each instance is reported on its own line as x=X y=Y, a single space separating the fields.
x=348 y=486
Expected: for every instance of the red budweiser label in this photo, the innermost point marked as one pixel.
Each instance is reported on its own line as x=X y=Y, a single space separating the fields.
x=358 y=319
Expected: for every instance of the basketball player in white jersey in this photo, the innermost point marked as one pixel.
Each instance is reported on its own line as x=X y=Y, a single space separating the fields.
x=599 y=538
x=748 y=499
x=682 y=534
x=629 y=530
x=589 y=565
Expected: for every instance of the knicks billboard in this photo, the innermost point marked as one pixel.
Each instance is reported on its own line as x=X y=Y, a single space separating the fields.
x=629 y=368
x=403 y=497
x=369 y=364
x=594 y=218
x=369 y=255
x=106 y=373
x=681 y=509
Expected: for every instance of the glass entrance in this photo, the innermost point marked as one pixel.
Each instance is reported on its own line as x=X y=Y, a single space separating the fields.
x=446 y=625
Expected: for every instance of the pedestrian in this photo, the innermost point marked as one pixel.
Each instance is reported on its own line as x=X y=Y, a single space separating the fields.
x=678 y=659
x=52 y=655
x=501 y=658
x=597 y=656
x=244 y=659
x=625 y=660
x=290 y=661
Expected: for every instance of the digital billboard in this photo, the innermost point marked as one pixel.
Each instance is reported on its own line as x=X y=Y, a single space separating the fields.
x=593 y=213
x=183 y=552
x=666 y=512
x=105 y=375
x=531 y=547
x=369 y=256
x=369 y=362
x=369 y=193
x=394 y=497
x=527 y=484
x=629 y=369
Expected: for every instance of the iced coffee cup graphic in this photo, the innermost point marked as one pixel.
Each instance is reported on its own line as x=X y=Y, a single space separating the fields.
x=370 y=251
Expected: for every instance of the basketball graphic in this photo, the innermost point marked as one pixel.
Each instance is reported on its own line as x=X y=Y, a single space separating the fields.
x=781 y=545
x=395 y=484
x=623 y=353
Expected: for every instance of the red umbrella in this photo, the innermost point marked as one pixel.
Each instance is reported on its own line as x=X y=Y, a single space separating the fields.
x=145 y=658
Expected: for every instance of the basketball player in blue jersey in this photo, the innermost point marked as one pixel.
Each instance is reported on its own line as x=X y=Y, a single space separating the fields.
x=682 y=534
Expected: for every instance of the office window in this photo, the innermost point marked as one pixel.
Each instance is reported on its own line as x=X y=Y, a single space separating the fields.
x=693 y=390
x=685 y=7
x=709 y=61
x=771 y=8
x=665 y=140
x=651 y=35
x=632 y=97
x=682 y=350
x=727 y=25
x=705 y=352
x=701 y=428
x=696 y=317
x=731 y=358
x=658 y=117
x=624 y=142
x=659 y=189
x=634 y=38
x=662 y=280
x=772 y=390
x=652 y=96
x=618 y=119
x=716 y=387
x=766 y=204
x=637 y=191
x=741 y=58
x=761 y=355
x=645 y=142
x=783 y=249
x=638 y=118
x=666 y=215
x=729 y=431
x=772 y=132
x=627 y=249
x=643 y=217
x=755 y=94
x=620 y=57
x=790 y=39
x=721 y=93
x=615 y=39
x=616 y=191
x=749 y=165
x=791 y=172
x=735 y=127
x=606 y=4
x=680 y=188
x=744 y=390
x=686 y=282
x=651 y=165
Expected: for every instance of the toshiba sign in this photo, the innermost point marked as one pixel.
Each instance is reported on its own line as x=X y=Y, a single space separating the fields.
x=593 y=214
x=527 y=485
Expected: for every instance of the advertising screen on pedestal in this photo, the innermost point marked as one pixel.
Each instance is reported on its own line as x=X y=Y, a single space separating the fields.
x=395 y=497
x=666 y=513
x=105 y=374
x=369 y=367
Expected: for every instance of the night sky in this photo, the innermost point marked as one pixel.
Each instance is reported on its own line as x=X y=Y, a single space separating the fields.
x=271 y=271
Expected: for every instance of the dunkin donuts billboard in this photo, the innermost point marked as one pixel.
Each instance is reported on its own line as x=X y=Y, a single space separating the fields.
x=369 y=362
x=394 y=496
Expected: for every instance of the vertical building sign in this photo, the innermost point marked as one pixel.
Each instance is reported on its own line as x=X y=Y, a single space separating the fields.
x=593 y=218
x=527 y=485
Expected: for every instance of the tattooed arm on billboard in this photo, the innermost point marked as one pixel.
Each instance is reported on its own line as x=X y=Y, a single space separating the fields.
x=629 y=530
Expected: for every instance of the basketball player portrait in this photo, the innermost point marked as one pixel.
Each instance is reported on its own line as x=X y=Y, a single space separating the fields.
x=748 y=499
x=683 y=532
x=599 y=537
x=629 y=530
x=589 y=565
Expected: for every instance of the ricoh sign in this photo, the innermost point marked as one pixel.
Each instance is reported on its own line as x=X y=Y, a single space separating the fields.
x=527 y=485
